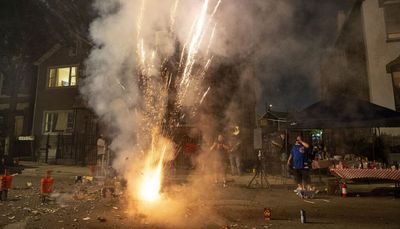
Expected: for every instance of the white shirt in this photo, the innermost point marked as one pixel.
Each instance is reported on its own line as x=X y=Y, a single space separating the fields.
x=101 y=146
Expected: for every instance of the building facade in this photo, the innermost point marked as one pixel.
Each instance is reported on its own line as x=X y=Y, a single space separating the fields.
x=16 y=108
x=363 y=62
x=357 y=65
x=65 y=129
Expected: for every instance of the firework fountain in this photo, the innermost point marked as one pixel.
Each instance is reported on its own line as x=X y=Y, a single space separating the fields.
x=152 y=84
x=156 y=87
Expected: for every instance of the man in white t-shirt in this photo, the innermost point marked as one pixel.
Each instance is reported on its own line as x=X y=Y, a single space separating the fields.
x=101 y=151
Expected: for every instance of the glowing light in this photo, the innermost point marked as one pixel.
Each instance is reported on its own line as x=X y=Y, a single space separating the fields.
x=140 y=18
x=151 y=184
x=211 y=38
x=204 y=95
x=173 y=15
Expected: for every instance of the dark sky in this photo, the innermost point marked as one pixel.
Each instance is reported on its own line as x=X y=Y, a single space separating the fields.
x=295 y=84
x=289 y=81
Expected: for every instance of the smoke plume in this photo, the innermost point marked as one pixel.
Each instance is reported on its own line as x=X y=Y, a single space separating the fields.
x=157 y=64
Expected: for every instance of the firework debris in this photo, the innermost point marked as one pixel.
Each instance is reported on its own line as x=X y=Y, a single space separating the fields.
x=101 y=219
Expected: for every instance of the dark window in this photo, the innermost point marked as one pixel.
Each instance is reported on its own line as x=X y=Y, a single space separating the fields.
x=392 y=21
x=396 y=88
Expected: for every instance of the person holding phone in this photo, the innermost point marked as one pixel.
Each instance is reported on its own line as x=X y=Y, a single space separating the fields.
x=298 y=154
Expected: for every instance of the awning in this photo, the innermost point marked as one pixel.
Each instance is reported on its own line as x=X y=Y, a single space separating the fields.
x=344 y=113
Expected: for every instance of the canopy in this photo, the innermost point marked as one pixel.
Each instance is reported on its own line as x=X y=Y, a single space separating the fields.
x=344 y=113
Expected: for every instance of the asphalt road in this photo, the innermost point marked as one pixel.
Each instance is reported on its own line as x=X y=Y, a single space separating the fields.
x=212 y=206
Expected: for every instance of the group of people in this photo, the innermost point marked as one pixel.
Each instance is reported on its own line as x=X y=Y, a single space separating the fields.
x=227 y=154
x=296 y=160
x=46 y=185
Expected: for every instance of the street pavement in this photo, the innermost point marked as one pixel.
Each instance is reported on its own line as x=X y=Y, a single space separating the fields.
x=236 y=206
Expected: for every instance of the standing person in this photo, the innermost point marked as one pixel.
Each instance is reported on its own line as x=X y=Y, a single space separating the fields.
x=298 y=154
x=284 y=155
x=189 y=149
x=234 y=154
x=46 y=186
x=2 y=163
x=280 y=145
x=6 y=181
x=101 y=151
x=221 y=149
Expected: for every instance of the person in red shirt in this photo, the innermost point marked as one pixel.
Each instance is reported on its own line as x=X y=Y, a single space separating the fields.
x=6 y=181
x=46 y=186
x=189 y=150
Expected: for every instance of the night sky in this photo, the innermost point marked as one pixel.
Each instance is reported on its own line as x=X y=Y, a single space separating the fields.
x=294 y=83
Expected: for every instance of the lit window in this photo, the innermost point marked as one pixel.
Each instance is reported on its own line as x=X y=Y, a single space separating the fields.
x=58 y=121
x=392 y=21
x=62 y=77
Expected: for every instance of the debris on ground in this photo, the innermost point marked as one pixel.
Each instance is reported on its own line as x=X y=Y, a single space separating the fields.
x=101 y=219
x=86 y=218
x=307 y=201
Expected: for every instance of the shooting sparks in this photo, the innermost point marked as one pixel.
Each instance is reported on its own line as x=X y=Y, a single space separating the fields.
x=156 y=82
x=204 y=95
x=194 y=43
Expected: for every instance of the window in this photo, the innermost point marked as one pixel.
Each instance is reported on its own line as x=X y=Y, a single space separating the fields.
x=19 y=125
x=58 y=121
x=392 y=20
x=396 y=89
x=5 y=84
x=23 y=87
x=62 y=77
x=1 y=83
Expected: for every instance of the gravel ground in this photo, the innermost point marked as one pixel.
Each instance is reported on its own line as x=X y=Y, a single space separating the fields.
x=235 y=206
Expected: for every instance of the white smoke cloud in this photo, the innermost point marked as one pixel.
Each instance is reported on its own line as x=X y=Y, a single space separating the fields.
x=126 y=31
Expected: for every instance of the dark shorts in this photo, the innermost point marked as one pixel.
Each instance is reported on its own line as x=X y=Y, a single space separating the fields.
x=301 y=176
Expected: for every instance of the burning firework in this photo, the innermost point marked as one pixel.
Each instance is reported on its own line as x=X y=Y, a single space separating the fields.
x=147 y=82
x=192 y=67
x=151 y=184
